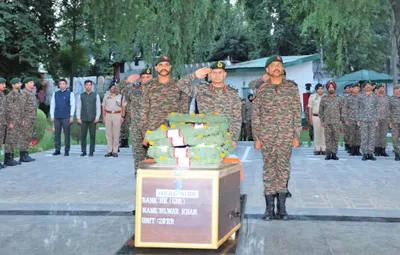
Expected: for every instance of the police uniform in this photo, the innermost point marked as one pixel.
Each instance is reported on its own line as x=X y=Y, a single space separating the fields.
x=319 y=137
x=113 y=109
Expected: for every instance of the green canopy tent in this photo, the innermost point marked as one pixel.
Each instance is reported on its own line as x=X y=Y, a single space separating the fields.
x=362 y=75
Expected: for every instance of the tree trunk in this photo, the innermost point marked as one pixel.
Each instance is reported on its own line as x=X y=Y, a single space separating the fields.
x=73 y=52
x=395 y=53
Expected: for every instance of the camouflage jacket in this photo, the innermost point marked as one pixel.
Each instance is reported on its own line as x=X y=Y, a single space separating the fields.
x=394 y=107
x=158 y=101
x=3 y=109
x=28 y=106
x=133 y=94
x=276 y=112
x=209 y=99
x=14 y=109
x=368 y=107
x=383 y=107
x=350 y=108
x=330 y=109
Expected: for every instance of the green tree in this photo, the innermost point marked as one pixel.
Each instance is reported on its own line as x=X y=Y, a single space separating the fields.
x=182 y=29
x=26 y=36
x=353 y=33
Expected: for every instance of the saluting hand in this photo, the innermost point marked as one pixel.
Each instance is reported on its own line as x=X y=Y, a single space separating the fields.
x=202 y=72
x=132 y=78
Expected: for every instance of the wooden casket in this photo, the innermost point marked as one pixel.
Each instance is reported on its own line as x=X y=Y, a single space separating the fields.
x=192 y=207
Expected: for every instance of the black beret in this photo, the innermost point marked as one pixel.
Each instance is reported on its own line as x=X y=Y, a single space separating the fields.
x=218 y=65
x=145 y=71
x=162 y=59
x=273 y=59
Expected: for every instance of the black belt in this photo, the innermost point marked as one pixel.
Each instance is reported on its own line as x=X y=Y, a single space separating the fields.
x=316 y=115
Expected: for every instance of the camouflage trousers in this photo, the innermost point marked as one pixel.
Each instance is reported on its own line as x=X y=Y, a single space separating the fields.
x=276 y=170
x=396 y=137
x=249 y=131
x=243 y=135
x=368 y=136
x=346 y=132
x=3 y=130
x=12 y=139
x=332 y=137
x=139 y=151
x=381 y=132
x=354 y=134
x=26 y=136
x=125 y=127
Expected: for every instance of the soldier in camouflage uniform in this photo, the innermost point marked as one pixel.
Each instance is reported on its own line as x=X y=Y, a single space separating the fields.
x=330 y=113
x=3 y=119
x=161 y=97
x=347 y=92
x=243 y=135
x=383 y=114
x=368 y=120
x=394 y=108
x=276 y=123
x=248 y=112
x=14 y=121
x=133 y=94
x=350 y=115
x=29 y=106
x=215 y=96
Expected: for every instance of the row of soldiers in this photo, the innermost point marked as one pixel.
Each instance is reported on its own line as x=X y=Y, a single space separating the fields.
x=366 y=113
x=17 y=119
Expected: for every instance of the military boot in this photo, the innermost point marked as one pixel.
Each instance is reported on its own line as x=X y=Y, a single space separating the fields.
x=397 y=156
x=270 y=210
x=383 y=152
x=31 y=159
x=2 y=166
x=12 y=156
x=23 y=157
x=328 y=155
x=346 y=147
x=282 y=214
x=9 y=160
x=365 y=157
x=358 y=153
x=377 y=151
x=371 y=157
x=334 y=157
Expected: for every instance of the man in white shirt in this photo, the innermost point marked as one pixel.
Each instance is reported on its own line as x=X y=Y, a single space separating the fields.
x=62 y=110
x=313 y=111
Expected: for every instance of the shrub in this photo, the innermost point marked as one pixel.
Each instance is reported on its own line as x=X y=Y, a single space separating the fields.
x=75 y=131
x=40 y=125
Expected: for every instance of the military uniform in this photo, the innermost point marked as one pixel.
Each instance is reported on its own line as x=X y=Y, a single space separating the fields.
x=134 y=95
x=113 y=110
x=368 y=117
x=248 y=113
x=243 y=134
x=210 y=99
x=3 y=119
x=319 y=135
x=330 y=113
x=158 y=101
x=14 y=118
x=346 y=132
x=394 y=106
x=276 y=122
x=383 y=122
x=29 y=108
x=350 y=115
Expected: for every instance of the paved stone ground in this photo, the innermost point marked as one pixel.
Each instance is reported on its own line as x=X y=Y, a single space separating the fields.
x=345 y=187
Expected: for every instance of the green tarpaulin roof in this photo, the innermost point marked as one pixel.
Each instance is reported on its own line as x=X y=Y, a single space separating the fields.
x=364 y=75
x=257 y=64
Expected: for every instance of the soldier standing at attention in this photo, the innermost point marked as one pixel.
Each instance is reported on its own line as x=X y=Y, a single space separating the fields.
x=276 y=121
x=215 y=97
x=248 y=113
x=29 y=106
x=394 y=106
x=133 y=94
x=3 y=116
x=368 y=120
x=350 y=115
x=330 y=113
x=243 y=135
x=113 y=111
x=314 y=120
x=14 y=122
x=347 y=92
x=383 y=121
x=161 y=97
x=88 y=109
